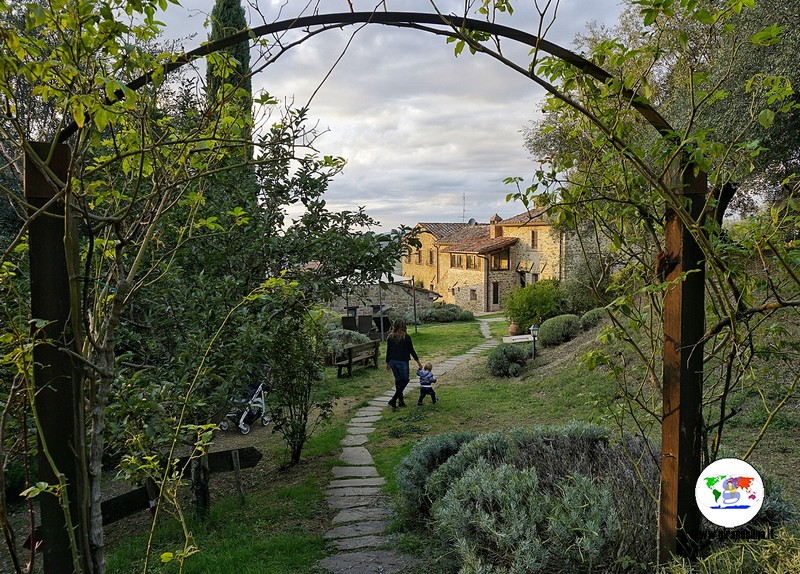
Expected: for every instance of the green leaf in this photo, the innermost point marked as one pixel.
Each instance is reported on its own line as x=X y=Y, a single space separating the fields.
x=705 y=17
x=767 y=36
x=766 y=118
x=78 y=113
x=100 y=118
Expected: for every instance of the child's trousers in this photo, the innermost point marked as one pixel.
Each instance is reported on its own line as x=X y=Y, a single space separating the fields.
x=426 y=391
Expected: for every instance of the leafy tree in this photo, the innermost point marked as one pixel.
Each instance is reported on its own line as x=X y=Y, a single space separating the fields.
x=533 y=303
x=700 y=61
x=298 y=400
x=230 y=65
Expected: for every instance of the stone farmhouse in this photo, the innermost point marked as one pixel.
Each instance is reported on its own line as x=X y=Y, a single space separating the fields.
x=476 y=265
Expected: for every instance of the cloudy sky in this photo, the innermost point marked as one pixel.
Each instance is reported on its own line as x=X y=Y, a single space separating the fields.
x=427 y=136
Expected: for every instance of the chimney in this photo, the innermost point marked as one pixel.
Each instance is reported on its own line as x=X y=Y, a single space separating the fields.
x=495 y=230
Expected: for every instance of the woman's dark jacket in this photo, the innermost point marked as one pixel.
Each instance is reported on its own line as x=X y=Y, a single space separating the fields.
x=400 y=349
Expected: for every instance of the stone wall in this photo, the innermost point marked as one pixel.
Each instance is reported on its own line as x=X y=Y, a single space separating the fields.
x=418 y=263
x=574 y=264
x=465 y=287
x=396 y=298
x=542 y=262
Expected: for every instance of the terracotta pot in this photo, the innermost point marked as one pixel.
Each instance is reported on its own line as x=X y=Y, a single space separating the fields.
x=513 y=329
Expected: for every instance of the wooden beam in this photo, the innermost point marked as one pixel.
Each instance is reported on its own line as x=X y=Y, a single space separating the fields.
x=684 y=322
x=56 y=382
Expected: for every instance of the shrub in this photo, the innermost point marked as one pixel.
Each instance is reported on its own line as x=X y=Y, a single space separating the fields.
x=559 y=451
x=489 y=447
x=444 y=313
x=583 y=532
x=338 y=339
x=592 y=318
x=507 y=360
x=533 y=304
x=490 y=514
x=299 y=401
x=559 y=330
x=574 y=500
x=781 y=553
x=500 y=520
x=576 y=297
x=426 y=456
x=596 y=512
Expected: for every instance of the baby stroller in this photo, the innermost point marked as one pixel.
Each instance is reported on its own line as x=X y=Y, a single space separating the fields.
x=245 y=411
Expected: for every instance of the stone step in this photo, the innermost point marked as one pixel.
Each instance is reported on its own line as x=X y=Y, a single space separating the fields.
x=359 y=542
x=368 y=419
x=356 y=455
x=358 y=529
x=360 y=513
x=360 y=430
x=338 y=502
x=354 y=491
x=364 y=471
x=367 y=562
x=351 y=482
x=354 y=440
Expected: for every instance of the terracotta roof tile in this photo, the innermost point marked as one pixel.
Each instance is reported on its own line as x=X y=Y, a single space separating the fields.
x=481 y=245
x=466 y=234
x=439 y=230
x=530 y=216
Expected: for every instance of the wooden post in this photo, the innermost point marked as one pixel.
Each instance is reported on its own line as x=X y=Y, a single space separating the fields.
x=153 y=495
x=200 y=492
x=56 y=382
x=414 y=296
x=237 y=474
x=684 y=314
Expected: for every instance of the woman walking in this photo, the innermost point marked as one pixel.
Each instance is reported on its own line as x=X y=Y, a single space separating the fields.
x=399 y=350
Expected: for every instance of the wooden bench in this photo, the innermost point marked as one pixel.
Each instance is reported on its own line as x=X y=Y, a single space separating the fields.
x=355 y=353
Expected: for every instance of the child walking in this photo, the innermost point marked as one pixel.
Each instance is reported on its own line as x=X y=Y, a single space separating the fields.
x=426 y=380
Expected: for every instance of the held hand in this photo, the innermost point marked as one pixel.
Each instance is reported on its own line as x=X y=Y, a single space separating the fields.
x=388 y=368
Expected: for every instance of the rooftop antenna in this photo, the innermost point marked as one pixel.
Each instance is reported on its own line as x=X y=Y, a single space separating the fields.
x=463 y=206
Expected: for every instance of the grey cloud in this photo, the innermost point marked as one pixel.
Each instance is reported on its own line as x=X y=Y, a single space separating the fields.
x=426 y=135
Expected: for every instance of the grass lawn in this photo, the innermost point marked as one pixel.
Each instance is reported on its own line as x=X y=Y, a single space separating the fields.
x=280 y=528
x=472 y=399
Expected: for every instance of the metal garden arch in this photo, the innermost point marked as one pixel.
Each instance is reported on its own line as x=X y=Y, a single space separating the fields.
x=684 y=302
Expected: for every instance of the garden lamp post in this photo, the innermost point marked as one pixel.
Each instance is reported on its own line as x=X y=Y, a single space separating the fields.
x=534 y=333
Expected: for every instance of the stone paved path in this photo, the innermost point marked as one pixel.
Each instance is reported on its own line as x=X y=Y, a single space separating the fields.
x=355 y=491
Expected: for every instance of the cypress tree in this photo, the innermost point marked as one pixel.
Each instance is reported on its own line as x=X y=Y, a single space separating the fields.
x=228 y=18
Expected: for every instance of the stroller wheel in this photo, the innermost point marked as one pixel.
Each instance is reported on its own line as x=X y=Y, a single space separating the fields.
x=244 y=428
x=265 y=420
x=223 y=424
